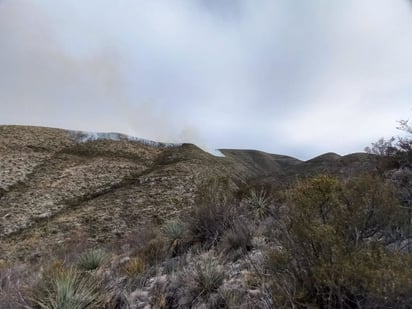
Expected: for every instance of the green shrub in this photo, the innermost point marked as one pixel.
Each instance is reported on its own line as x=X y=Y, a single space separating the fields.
x=92 y=259
x=334 y=246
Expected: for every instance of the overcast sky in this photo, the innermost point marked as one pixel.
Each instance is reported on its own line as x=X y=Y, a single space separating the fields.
x=284 y=76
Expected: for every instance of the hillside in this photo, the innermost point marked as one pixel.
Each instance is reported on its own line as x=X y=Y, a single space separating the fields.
x=54 y=184
x=157 y=225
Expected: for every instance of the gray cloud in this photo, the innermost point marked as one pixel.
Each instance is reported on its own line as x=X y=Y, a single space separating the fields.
x=281 y=76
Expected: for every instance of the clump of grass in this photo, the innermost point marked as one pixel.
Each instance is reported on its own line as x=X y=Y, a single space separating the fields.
x=208 y=275
x=202 y=277
x=92 y=259
x=134 y=267
x=67 y=288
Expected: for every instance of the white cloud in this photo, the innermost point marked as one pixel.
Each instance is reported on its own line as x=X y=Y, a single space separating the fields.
x=283 y=76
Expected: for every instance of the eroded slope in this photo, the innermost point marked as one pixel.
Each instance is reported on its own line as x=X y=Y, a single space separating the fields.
x=55 y=187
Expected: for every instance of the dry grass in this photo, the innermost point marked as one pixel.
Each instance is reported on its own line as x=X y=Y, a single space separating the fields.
x=134 y=267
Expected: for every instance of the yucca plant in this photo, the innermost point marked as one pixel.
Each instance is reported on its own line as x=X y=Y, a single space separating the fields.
x=92 y=259
x=69 y=289
x=174 y=231
x=259 y=201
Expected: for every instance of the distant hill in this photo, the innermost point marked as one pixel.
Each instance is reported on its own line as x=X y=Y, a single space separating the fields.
x=55 y=183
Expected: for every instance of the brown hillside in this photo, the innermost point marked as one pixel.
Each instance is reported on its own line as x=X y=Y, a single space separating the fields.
x=53 y=187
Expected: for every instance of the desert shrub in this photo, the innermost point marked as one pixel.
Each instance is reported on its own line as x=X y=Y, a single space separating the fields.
x=154 y=251
x=276 y=260
x=138 y=237
x=213 y=214
x=207 y=222
x=67 y=288
x=372 y=211
x=92 y=259
x=200 y=279
x=334 y=251
x=237 y=237
x=149 y=243
x=215 y=190
x=207 y=274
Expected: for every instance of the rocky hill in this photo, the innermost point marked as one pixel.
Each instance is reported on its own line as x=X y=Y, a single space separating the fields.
x=56 y=183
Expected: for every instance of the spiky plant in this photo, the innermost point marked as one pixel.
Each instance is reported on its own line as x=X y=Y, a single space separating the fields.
x=259 y=201
x=69 y=289
x=92 y=259
x=174 y=231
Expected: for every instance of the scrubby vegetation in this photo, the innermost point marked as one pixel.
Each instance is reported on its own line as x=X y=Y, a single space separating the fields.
x=334 y=243
x=328 y=243
x=321 y=241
